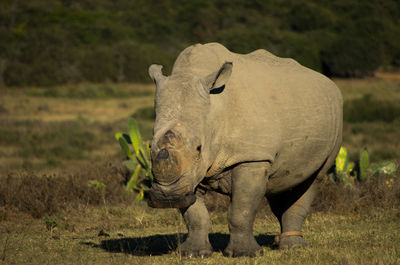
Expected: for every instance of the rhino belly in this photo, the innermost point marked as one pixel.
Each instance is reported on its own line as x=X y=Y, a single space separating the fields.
x=296 y=163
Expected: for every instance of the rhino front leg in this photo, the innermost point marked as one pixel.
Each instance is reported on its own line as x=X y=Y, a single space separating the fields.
x=248 y=189
x=197 y=222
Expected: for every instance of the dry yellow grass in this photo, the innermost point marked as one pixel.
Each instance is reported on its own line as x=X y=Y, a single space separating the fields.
x=140 y=235
x=380 y=88
x=21 y=104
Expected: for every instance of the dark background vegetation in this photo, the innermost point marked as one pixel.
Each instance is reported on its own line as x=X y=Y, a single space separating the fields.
x=48 y=42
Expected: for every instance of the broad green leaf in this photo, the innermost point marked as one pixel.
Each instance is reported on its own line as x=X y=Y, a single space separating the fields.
x=132 y=183
x=386 y=168
x=139 y=159
x=125 y=147
x=118 y=135
x=143 y=151
x=135 y=135
x=341 y=160
x=144 y=159
x=127 y=138
x=124 y=135
x=130 y=165
x=364 y=164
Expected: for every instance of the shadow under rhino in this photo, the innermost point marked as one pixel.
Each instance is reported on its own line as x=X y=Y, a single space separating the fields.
x=156 y=245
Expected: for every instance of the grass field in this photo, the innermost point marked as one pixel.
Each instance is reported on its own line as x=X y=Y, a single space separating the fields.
x=53 y=140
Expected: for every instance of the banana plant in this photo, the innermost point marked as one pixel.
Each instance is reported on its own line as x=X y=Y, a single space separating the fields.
x=138 y=158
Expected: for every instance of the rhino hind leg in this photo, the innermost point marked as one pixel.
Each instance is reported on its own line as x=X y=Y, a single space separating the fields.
x=197 y=222
x=246 y=197
x=291 y=208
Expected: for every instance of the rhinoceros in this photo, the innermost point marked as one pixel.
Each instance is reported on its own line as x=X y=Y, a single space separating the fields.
x=246 y=125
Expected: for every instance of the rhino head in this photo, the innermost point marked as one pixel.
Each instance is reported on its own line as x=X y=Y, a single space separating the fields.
x=181 y=148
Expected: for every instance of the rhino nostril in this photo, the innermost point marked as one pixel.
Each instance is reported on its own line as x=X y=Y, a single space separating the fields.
x=162 y=155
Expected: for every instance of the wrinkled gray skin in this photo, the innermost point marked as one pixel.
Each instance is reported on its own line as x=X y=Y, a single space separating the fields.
x=248 y=126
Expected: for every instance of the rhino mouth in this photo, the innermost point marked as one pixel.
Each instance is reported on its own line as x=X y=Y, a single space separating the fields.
x=176 y=195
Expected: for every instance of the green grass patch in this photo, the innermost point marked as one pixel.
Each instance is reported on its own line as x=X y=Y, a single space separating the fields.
x=91 y=91
x=52 y=144
x=138 y=235
x=369 y=109
x=64 y=140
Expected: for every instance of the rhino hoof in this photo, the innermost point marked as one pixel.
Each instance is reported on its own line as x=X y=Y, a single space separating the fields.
x=243 y=244
x=292 y=242
x=232 y=253
x=204 y=253
x=192 y=249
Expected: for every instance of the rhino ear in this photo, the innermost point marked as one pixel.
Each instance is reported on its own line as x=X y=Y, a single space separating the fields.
x=156 y=73
x=218 y=78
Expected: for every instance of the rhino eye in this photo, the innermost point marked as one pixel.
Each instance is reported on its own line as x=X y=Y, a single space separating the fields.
x=198 y=148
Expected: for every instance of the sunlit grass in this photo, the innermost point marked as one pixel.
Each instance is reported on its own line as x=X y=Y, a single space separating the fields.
x=59 y=134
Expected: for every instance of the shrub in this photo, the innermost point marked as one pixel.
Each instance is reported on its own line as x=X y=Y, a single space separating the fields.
x=303 y=48
x=40 y=195
x=351 y=56
x=309 y=16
